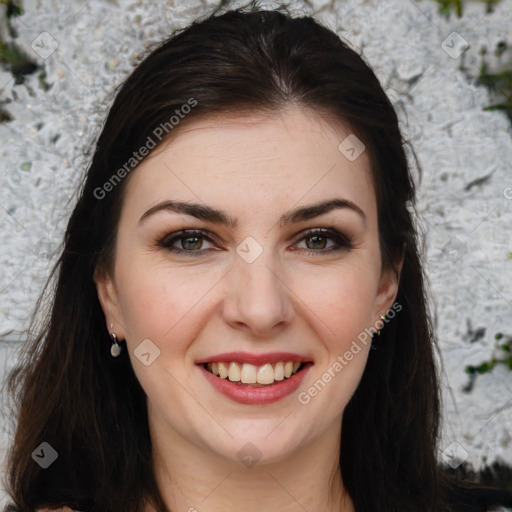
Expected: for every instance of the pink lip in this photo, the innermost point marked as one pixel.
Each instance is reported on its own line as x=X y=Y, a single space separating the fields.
x=255 y=396
x=255 y=359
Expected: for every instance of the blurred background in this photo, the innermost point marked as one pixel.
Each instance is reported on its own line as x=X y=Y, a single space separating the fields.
x=447 y=68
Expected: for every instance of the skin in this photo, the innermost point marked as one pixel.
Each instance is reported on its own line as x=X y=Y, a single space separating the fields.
x=198 y=305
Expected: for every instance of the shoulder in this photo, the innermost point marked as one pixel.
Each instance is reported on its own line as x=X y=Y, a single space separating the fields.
x=479 y=498
x=12 y=508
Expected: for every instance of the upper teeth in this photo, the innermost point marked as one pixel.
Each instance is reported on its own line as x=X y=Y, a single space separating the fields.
x=250 y=374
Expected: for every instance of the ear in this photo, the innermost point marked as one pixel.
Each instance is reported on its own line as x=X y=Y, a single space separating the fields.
x=387 y=291
x=107 y=296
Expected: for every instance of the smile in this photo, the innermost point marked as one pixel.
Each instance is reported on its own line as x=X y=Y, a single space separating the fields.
x=254 y=376
x=255 y=393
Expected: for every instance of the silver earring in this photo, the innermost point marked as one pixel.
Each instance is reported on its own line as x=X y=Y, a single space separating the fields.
x=115 y=348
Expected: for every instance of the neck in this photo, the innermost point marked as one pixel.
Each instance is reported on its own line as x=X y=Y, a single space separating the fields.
x=192 y=478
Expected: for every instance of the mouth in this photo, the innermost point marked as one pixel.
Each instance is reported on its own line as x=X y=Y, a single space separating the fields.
x=252 y=376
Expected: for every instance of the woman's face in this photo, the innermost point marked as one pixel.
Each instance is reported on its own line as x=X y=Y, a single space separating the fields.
x=258 y=286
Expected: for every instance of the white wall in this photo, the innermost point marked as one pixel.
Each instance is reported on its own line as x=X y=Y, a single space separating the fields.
x=469 y=232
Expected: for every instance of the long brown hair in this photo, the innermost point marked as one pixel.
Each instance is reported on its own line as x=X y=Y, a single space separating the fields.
x=90 y=407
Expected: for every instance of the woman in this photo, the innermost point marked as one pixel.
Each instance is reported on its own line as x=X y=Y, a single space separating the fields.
x=285 y=365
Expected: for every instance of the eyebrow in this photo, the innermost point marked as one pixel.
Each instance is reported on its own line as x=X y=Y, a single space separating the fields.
x=217 y=216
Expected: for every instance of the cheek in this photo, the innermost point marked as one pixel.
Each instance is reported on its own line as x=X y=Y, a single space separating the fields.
x=153 y=300
x=166 y=303
x=158 y=304
x=342 y=298
x=342 y=305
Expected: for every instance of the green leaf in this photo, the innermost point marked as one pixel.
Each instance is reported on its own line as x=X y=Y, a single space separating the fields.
x=484 y=367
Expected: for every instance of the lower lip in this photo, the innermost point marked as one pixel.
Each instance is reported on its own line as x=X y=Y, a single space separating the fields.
x=255 y=396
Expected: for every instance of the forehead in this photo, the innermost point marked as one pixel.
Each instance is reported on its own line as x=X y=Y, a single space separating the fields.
x=251 y=134
x=288 y=158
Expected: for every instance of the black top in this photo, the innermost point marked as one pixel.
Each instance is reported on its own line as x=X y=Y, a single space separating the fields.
x=480 y=499
x=463 y=499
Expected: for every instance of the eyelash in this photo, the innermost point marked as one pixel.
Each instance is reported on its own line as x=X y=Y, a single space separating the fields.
x=344 y=243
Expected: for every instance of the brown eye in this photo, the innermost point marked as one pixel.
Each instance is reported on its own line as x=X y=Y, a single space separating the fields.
x=316 y=241
x=191 y=241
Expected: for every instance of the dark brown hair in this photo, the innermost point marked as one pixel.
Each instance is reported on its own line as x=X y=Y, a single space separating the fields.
x=90 y=407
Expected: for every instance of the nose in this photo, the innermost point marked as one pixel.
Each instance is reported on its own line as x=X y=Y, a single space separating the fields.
x=258 y=299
